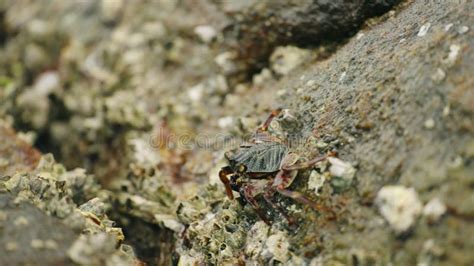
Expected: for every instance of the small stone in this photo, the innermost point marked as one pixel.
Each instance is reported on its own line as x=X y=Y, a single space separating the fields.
x=225 y=61
x=438 y=76
x=3 y=216
x=321 y=144
x=448 y=27
x=225 y=122
x=342 y=173
x=241 y=88
x=399 y=206
x=21 y=221
x=343 y=75
x=47 y=82
x=316 y=181
x=262 y=77
x=453 y=54
x=277 y=245
x=195 y=93
x=446 y=110
x=429 y=123
x=281 y=92
x=144 y=152
x=205 y=32
x=259 y=232
x=434 y=209
x=456 y=163
x=111 y=9
x=424 y=29
x=39 y=28
x=359 y=36
x=311 y=83
x=11 y=246
x=300 y=90
x=284 y=59
x=37 y=243
x=463 y=29
x=50 y=244
x=169 y=222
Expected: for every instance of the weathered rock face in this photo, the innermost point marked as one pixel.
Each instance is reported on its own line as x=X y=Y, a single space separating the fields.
x=27 y=236
x=256 y=28
x=395 y=97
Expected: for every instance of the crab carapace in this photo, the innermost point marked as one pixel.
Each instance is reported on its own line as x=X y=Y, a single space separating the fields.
x=265 y=166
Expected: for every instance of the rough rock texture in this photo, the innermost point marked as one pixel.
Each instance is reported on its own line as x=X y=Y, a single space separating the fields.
x=148 y=95
x=258 y=27
x=26 y=235
x=51 y=216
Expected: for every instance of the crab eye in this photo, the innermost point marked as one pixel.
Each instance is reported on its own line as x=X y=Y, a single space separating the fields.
x=242 y=168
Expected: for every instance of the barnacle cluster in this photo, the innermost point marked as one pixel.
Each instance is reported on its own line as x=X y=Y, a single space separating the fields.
x=68 y=195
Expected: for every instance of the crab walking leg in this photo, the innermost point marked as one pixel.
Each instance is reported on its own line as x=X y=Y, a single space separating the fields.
x=304 y=165
x=267 y=122
x=299 y=198
x=223 y=173
x=247 y=191
x=268 y=196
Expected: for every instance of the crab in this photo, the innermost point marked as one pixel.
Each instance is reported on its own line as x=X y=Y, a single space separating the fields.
x=265 y=166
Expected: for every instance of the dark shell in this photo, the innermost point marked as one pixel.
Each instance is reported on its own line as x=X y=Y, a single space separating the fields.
x=259 y=158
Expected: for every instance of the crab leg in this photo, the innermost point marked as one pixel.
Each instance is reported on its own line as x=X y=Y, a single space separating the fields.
x=247 y=191
x=268 y=198
x=223 y=173
x=267 y=122
x=298 y=197
x=262 y=135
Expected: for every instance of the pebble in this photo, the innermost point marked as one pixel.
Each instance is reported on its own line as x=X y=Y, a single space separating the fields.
x=311 y=83
x=205 y=32
x=453 y=54
x=399 y=206
x=111 y=9
x=316 y=181
x=277 y=245
x=424 y=29
x=284 y=59
x=448 y=26
x=446 y=110
x=343 y=75
x=11 y=246
x=434 y=209
x=47 y=82
x=429 y=123
x=225 y=122
x=438 y=76
x=37 y=243
x=195 y=93
x=342 y=173
x=21 y=221
x=50 y=244
x=262 y=77
x=225 y=61
x=3 y=215
x=463 y=29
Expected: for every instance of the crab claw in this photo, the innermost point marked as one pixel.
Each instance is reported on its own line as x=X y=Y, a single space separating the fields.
x=223 y=176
